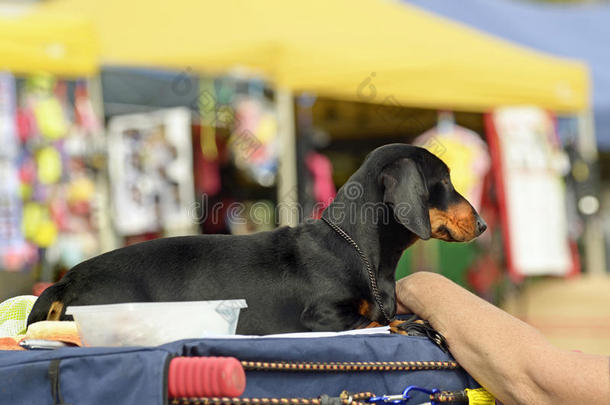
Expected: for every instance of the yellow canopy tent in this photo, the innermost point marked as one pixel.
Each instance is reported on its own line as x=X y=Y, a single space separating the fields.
x=332 y=47
x=377 y=51
x=33 y=41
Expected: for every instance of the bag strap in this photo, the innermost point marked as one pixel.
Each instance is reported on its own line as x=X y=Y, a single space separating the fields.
x=55 y=387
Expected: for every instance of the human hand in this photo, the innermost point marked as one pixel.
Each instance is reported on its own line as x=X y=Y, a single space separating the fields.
x=402 y=295
x=415 y=289
x=401 y=307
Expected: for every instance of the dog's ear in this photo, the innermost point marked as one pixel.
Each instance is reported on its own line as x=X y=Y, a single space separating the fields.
x=406 y=192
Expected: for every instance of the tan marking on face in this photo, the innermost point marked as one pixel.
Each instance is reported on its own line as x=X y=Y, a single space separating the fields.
x=457 y=224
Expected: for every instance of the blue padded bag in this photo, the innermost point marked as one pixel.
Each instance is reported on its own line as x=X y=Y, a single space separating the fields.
x=138 y=376
x=382 y=347
x=81 y=376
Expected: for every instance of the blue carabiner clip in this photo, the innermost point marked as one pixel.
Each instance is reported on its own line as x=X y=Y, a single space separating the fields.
x=403 y=398
x=405 y=393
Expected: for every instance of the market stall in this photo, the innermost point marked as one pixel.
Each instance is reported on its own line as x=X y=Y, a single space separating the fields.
x=52 y=150
x=555 y=28
x=368 y=51
x=331 y=49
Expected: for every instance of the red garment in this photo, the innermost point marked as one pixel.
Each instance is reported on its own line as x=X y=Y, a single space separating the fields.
x=207 y=171
x=324 y=190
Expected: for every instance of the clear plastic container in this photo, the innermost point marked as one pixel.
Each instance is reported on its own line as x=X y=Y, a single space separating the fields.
x=154 y=323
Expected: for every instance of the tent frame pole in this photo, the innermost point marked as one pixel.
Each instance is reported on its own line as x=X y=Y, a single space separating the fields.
x=593 y=235
x=287 y=193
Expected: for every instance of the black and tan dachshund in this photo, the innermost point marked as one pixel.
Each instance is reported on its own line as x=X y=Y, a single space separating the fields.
x=324 y=275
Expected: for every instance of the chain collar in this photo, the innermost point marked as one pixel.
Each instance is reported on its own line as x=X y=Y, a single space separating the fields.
x=367 y=264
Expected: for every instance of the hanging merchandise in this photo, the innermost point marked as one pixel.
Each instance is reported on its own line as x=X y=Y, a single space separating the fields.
x=324 y=190
x=207 y=162
x=15 y=253
x=528 y=168
x=85 y=115
x=47 y=109
x=208 y=180
x=8 y=130
x=463 y=151
x=47 y=186
x=254 y=141
x=49 y=164
x=207 y=112
x=467 y=157
x=151 y=172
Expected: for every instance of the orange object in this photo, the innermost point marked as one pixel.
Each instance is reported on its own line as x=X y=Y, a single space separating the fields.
x=7 y=343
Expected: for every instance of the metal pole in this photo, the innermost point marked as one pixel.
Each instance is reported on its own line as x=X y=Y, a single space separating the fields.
x=593 y=236
x=287 y=193
x=108 y=238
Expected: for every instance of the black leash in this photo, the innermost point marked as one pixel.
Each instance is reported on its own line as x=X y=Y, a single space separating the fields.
x=367 y=264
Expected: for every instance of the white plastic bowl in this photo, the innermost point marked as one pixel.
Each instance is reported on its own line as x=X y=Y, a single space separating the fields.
x=154 y=323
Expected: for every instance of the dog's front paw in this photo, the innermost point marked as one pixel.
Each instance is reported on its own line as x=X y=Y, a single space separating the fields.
x=418 y=327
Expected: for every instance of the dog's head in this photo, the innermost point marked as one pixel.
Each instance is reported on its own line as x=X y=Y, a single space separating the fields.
x=418 y=188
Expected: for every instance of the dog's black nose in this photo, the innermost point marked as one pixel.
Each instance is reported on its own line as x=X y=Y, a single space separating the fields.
x=481 y=225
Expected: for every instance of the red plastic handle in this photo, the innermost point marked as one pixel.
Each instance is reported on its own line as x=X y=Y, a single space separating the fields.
x=205 y=377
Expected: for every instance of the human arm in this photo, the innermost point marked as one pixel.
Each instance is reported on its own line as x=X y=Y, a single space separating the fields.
x=511 y=359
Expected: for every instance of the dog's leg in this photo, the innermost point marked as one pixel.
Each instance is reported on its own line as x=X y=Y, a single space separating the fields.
x=325 y=315
x=364 y=309
x=396 y=324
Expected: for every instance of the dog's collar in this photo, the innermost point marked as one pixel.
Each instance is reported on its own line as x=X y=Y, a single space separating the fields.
x=367 y=264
